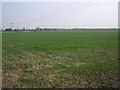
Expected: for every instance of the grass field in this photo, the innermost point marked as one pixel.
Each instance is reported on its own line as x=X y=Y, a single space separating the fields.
x=60 y=59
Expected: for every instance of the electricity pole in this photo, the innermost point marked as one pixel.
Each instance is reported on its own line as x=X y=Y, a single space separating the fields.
x=11 y=25
x=119 y=15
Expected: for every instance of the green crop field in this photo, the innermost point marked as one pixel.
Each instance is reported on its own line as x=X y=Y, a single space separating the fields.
x=60 y=59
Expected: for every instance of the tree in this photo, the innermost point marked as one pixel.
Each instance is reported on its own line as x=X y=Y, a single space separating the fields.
x=8 y=29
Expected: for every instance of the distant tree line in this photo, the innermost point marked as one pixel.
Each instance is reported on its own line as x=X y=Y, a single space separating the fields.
x=57 y=29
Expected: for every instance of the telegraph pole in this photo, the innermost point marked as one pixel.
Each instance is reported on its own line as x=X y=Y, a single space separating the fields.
x=119 y=15
x=119 y=39
x=11 y=25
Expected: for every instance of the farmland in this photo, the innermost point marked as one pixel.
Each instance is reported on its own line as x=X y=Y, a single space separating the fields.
x=60 y=59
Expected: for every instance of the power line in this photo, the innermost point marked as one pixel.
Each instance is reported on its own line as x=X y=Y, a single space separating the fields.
x=67 y=9
x=87 y=5
x=82 y=2
x=72 y=5
x=82 y=5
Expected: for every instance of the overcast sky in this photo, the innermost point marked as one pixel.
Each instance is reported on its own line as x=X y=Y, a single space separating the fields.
x=86 y=13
